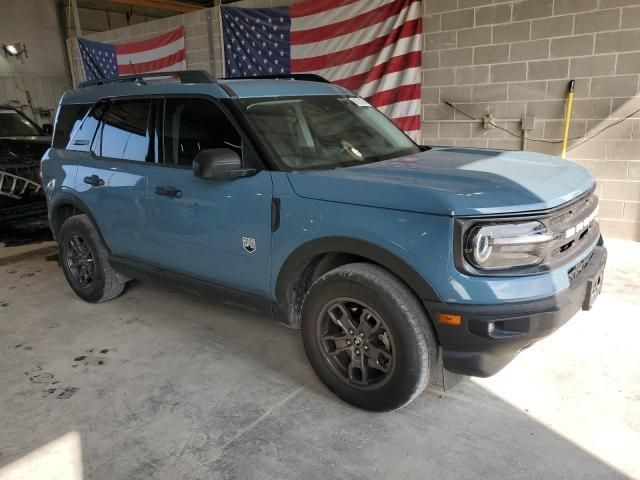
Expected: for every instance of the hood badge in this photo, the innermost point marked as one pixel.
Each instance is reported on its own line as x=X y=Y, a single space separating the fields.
x=249 y=244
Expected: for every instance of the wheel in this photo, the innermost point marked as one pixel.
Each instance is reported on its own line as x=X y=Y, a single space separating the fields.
x=85 y=263
x=367 y=337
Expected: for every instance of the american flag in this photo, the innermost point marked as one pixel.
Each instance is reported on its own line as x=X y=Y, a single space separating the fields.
x=164 y=53
x=372 y=47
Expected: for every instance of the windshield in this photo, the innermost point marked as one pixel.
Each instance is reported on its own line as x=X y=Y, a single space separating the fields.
x=13 y=124
x=321 y=132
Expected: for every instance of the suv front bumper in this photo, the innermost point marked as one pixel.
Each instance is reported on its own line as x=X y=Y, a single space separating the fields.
x=470 y=348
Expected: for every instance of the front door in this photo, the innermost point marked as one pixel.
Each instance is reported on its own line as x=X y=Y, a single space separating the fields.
x=217 y=231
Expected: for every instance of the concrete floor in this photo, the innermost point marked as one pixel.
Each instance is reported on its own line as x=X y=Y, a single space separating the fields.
x=163 y=385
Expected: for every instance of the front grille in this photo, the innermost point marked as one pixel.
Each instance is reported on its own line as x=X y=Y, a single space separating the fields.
x=573 y=227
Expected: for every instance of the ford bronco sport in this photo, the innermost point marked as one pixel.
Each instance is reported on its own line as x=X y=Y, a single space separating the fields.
x=296 y=197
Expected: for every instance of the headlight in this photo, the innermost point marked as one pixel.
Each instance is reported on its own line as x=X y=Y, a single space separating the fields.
x=505 y=246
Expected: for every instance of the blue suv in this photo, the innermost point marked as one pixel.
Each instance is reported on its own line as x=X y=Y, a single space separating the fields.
x=401 y=264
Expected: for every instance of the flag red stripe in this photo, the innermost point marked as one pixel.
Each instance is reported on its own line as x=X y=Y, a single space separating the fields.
x=309 y=7
x=153 y=65
x=333 y=59
x=151 y=43
x=351 y=25
x=408 y=124
x=395 y=95
x=395 y=64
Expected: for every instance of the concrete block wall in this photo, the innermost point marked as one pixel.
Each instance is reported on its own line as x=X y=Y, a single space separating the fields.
x=514 y=59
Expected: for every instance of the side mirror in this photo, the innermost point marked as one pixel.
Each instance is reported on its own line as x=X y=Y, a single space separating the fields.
x=219 y=164
x=47 y=128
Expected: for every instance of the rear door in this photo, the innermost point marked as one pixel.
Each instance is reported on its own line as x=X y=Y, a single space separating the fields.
x=112 y=174
x=218 y=231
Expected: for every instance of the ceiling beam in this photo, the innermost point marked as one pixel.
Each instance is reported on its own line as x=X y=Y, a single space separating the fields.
x=167 y=5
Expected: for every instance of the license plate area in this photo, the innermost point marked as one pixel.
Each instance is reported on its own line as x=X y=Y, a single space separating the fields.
x=594 y=287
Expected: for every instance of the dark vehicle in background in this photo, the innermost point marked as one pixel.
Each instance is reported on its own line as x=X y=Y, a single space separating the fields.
x=22 y=144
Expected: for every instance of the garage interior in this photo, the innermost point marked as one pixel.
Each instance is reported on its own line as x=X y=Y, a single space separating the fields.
x=164 y=384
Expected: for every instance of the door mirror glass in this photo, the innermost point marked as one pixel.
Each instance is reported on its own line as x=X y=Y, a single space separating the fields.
x=219 y=164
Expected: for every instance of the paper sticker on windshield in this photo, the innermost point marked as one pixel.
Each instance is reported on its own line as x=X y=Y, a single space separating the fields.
x=361 y=102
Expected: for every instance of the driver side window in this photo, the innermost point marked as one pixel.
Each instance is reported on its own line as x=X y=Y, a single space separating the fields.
x=191 y=125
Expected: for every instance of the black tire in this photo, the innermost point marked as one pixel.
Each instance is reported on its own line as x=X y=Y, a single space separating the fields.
x=406 y=345
x=78 y=234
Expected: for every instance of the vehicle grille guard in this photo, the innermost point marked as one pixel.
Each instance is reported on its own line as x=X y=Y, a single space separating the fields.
x=15 y=186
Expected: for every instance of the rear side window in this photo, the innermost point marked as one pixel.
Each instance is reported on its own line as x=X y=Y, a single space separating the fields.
x=192 y=125
x=67 y=122
x=124 y=132
x=82 y=137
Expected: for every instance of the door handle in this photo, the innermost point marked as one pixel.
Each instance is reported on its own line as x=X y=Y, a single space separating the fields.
x=94 y=181
x=172 y=192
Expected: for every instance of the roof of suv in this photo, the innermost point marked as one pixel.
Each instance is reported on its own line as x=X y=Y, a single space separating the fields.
x=217 y=88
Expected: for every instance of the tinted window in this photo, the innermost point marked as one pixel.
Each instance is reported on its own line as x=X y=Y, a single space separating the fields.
x=68 y=121
x=83 y=136
x=124 y=131
x=192 y=125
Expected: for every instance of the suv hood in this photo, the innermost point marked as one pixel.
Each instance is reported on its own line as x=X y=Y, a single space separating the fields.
x=451 y=181
x=23 y=149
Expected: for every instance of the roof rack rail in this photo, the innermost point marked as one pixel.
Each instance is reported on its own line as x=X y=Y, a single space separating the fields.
x=308 y=77
x=185 y=76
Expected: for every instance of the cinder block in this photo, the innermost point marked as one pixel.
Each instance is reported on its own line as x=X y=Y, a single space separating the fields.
x=599 y=21
x=572 y=46
x=474 y=3
x=435 y=6
x=457 y=94
x=621 y=41
x=607 y=170
x=547 y=69
x=509 y=72
x=623 y=150
x=437 y=112
x=617 y=3
x=573 y=6
x=457 y=20
x=592 y=66
x=467 y=75
x=431 y=95
x=494 y=14
x=440 y=40
x=552 y=27
x=621 y=131
x=598 y=108
x=512 y=144
x=557 y=89
x=528 y=9
x=430 y=130
x=632 y=211
x=471 y=143
x=611 y=209
x=528 y=91
x=455 y=130
x=549 y=109
x=437 y=77
x=512 y=32
x=430 y=60
x=621 y=229
x=621 y=190
x=628 y=63
x=634 y=171
x=631 y=17
x=554 y=129
x=457 y=57
x=532 y=50
x=432 y=23
x=491 y=54
x=593 y=150
x=623 y=107
x=619 y=86
x=474 y=36
x=489 y=93
x=478 y=131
